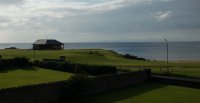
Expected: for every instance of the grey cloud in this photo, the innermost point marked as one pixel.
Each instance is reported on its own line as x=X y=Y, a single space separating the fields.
x=8 y=2
x=138 y=18
x=133 y=22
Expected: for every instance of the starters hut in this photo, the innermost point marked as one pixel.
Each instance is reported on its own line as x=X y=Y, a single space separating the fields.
x=48 y=44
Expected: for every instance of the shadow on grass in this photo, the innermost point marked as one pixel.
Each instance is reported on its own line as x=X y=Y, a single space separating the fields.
x=120 y=94
x=26 y=68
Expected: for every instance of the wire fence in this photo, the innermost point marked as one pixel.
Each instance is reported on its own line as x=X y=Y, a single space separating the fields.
x=170 y=70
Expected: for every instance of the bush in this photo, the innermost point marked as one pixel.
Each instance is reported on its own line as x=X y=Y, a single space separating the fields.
x=77 y=68
x=128 y=56
x=95 y=69
x=75 y=87
x=21 y=61
x=17 y=61
x=1 y=66
x=0 y=56
x=36 y=62
x=53 y=65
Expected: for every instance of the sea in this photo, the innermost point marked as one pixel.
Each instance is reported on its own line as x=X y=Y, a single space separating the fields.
x=178 y=51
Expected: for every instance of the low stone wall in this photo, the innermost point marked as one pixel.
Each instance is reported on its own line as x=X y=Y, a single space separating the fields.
x=42 y=93
x=52 y=92
x=179 y=81
x=112 y=82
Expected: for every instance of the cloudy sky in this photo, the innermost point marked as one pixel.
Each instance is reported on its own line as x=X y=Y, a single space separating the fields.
x=99 y=20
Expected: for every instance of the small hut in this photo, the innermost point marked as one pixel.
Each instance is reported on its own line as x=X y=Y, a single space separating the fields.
x=48 y=44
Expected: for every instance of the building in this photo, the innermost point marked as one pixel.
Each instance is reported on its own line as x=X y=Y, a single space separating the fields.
x=48 y=44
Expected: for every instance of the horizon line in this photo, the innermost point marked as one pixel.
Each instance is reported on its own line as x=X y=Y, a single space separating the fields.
x=107 y=42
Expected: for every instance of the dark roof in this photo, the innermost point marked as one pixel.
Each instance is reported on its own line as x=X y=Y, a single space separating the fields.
x=47 y=41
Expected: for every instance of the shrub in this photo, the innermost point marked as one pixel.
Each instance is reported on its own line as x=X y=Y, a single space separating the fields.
x=54 y=65
x=96 y=53
x=21 y=61
x=36 y=62
x=95 y=69
x=17 y=61
x=0 y=56
x=1 y=66
x=128 y=56
x=70 y=67
x=75 y=87
x=77 y=68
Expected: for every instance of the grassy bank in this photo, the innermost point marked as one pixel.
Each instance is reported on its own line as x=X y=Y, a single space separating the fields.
x=106 y=57
x=147 y=93
x=90 y=56
x=20 y=77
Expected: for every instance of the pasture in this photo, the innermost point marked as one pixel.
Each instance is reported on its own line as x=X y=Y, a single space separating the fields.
x=107 y=57
x=21 y=77
x=89 y=56
x=149 y=92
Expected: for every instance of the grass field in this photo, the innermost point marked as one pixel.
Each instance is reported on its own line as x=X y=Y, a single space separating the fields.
x=83 y=56
x=147 y=93
x=105 y=57
x=98 y=56
x=20 y=77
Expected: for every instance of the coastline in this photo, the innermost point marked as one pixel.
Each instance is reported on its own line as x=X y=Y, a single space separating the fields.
x=178 y=51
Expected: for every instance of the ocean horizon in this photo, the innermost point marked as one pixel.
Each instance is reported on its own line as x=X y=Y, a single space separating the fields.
x=150 y=50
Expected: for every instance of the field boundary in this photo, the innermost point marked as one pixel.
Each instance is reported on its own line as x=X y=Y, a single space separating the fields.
x=179 y=81
x=53 y=92
x=112 y=82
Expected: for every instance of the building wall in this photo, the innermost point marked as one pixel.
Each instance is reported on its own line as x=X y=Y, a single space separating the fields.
x=48 y=47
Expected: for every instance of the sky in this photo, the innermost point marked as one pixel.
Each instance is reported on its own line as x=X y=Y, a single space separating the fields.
x=25 y=21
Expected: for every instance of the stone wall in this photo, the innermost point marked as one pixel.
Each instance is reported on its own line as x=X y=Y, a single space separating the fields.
x=112 y=82
x=52 y=92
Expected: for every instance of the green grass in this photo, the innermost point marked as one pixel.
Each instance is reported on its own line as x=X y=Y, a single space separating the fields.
x=105 y=57
x=84 y=56
x=147 y=93
x=81 y=55
x=21 y=77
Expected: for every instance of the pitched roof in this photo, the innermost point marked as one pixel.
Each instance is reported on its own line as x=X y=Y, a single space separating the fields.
x=47 y=41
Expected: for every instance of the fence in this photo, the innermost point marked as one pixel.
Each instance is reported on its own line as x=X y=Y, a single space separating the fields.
x=130 y=68
x=164 y=70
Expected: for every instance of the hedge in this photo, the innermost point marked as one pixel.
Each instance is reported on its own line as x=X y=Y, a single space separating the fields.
x=128 y=56
x=77 y=68
x=17 y=61
x=95 y=70
x=75 y=87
